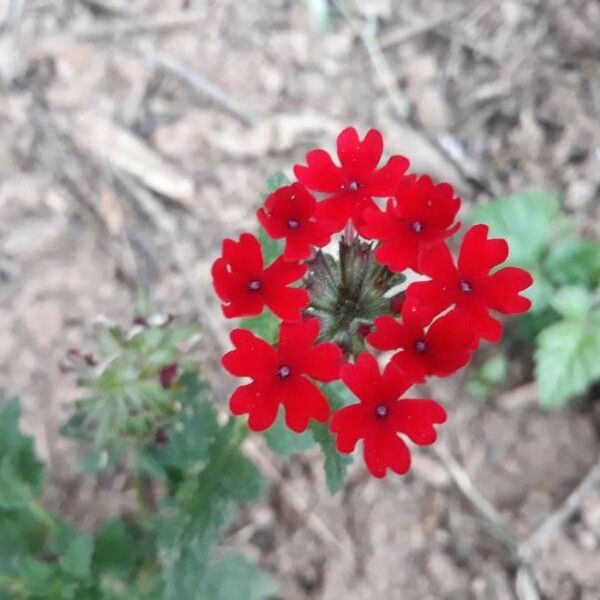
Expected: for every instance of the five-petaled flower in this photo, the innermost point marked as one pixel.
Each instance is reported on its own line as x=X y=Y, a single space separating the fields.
x=419 y=215
x=470 y=285
x=245 y=286
x=381 y=415
x=281 y=375
x=352 y=186
x=349 y=300
x=289 y=213
x=440 y=350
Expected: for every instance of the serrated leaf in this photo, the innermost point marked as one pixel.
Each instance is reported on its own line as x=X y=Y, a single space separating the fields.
x=574 y=261
x=284 y=441
x=567 y=360
x=77 y=558
x=572 y=302
x=240 y=480
x=526 y=220
x=233 y=577
x=17 y=450
x=116 y=549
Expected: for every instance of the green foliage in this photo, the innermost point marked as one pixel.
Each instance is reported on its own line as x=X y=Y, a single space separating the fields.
x=284 y=441
x=487 y=377
x=336 y=464
x=185 y=465
x=567 y=355
x=564 y=321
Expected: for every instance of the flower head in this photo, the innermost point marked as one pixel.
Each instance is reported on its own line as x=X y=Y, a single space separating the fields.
x=282 y=375
x=419 y=215
x=470 y=285
x=441 y=349
x=381 y=415
x=352 y=185
x=246 y=287
x=289 y=213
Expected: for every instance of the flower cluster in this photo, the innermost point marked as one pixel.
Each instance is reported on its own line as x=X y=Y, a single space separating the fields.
x=341 y=301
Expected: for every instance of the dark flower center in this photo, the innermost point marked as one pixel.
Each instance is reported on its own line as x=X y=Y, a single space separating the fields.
x=420 y=346
x=283 y=372
x=466 y=287
x=417 y=226
x=382 y=411
x=255 y=285
x=353 y=186
x=293 y=224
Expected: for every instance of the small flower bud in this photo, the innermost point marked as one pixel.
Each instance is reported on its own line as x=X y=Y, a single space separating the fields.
x=168 y=375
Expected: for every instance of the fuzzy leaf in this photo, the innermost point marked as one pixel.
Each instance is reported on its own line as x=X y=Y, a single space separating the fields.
x=284 y=441
x=233 y=577
x=336 y=464
x=567 y=359
x=574 y=262
x=572 y=302
x=77 y=558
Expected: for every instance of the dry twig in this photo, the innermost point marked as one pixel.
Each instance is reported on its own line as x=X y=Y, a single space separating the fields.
x=163 y=60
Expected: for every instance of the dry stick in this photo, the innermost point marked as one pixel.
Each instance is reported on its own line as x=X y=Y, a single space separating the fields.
x=525 y=581
x=559 y=517
x=139 y=26
x=405 y=34
x=162 y=60
x=367 y=33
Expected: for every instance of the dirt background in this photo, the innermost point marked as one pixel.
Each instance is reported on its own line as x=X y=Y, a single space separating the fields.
x=135 y=134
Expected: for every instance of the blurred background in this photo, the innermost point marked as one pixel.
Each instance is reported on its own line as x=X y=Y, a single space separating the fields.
x=136 y=134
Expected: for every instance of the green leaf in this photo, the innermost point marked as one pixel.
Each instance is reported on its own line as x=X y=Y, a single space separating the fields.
x=494 y=369
x=266 y=325
x=116 y=549
x=284 y=441
x=14 y=492
x=572 y=302
x=336 y=464
x=276 y=181
x=574 y=261
x=77 y=558
x=526 y=220
x=17 y=450
x=233 y=577
x=567 y=359
x=239 y=478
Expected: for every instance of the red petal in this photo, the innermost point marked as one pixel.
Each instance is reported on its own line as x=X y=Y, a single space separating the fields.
x=359 y=158
x=296 y=340
x=324 y=362
x=389 y=334
x=437 y=263
x=349 y=425
x=260 y=404
x=252 y=357
x=385 y=451
x=478 y=254
x=363 y=378
x=287 y=303
x=416 y=418
x=502 y=290
x=398 y=254
x=385 y=181
x=321 y=174
x=281 y=273
x=244 y=256
x=303 y=401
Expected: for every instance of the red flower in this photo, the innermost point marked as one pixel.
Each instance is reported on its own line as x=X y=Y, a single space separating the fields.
x=245 y=286
x=470 y=285
x=441 y=350
x=289 y=213
x=352 y=185
x=279 y=375
x=420 y=215
x=381 y=415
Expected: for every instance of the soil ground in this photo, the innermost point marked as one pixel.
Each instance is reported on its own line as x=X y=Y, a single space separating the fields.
x=121 y=168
